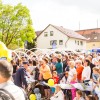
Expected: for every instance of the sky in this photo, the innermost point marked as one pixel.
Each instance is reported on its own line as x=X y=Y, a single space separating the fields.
x=71 y=14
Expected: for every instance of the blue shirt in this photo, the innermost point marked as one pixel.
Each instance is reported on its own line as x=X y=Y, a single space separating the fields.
x=20 y=79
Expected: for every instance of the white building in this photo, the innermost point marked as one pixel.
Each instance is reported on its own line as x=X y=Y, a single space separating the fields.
x=58 y=37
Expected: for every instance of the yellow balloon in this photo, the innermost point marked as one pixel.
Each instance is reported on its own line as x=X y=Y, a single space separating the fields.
x=32 y=97
x=51 y=82
x=4 y=52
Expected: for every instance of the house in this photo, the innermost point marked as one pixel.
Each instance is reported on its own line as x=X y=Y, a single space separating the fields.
x=59 y=37
x=93 y=37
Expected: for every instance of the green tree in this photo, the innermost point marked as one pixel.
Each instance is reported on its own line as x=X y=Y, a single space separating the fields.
x=15 y=25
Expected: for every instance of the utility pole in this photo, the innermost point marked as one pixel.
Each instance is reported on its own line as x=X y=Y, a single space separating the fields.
x=79 y=25
x=97 y=23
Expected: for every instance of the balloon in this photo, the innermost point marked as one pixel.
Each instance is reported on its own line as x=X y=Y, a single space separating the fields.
x=4 y=52
x=51 y=82
x=32 y=97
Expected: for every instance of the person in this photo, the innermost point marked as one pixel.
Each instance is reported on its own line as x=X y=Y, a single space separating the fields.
x=54 y=60
x=99 y=63
x=72 y=77
x=79 y=69
x=95 y=74
x=45 y=72
x=79 y=95
x=19 y=62
x=32 y=66
x=63 y=80
x=86 y=71
x=86 y=74
x=65 y=59
x=15 y=68
x=90 y=97
x=91 y=64
x=20 y=77
x=58 y=95
x=6 y=71
x=67 y=67
x=58 y=67
x=55 y=77
x=45 y=75
x=94 y=58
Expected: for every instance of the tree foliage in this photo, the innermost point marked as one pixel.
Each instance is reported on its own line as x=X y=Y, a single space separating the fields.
x=15 y=25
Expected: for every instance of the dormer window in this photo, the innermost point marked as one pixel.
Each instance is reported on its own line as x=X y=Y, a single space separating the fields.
x=51 y=33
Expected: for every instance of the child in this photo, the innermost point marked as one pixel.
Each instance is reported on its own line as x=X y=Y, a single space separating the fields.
x=96 y=74
x=55 y=77
x=56 y=80
x=79 y=95
x=64 y=78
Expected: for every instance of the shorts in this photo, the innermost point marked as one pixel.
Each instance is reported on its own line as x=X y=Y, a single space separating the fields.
x=46 y=86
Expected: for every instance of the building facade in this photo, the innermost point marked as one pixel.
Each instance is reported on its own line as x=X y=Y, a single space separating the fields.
x=59 y=37
x=93 y=37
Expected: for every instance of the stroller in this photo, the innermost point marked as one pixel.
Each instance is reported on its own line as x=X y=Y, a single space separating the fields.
x=37 y=84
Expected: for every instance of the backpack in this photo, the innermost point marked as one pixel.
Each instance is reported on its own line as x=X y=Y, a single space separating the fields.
x=5 y=95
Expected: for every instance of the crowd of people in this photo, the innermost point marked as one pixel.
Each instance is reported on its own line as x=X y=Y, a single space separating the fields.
x=64 y=68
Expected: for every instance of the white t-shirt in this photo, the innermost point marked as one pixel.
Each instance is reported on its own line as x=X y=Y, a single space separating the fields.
x=94 y=60
x=81 y=98
x=86 y=73
x=58 y=96
x=32 y=68
x=71 y=73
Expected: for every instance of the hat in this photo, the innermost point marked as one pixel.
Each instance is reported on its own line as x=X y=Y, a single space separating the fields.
x=25 y=62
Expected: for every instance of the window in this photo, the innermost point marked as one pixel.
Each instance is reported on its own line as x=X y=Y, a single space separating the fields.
x=75 y=41
x=51 y=33
x=81 y=42
x=78 y=42
x=60 y=42
x=53 y=42
x=45 y=34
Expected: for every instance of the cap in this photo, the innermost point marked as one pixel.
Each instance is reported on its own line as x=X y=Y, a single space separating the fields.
x=25 y=62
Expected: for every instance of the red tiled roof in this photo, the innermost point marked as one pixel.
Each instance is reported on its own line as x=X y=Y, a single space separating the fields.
x=69 y=33
x=88 y=31
x=93 y=35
